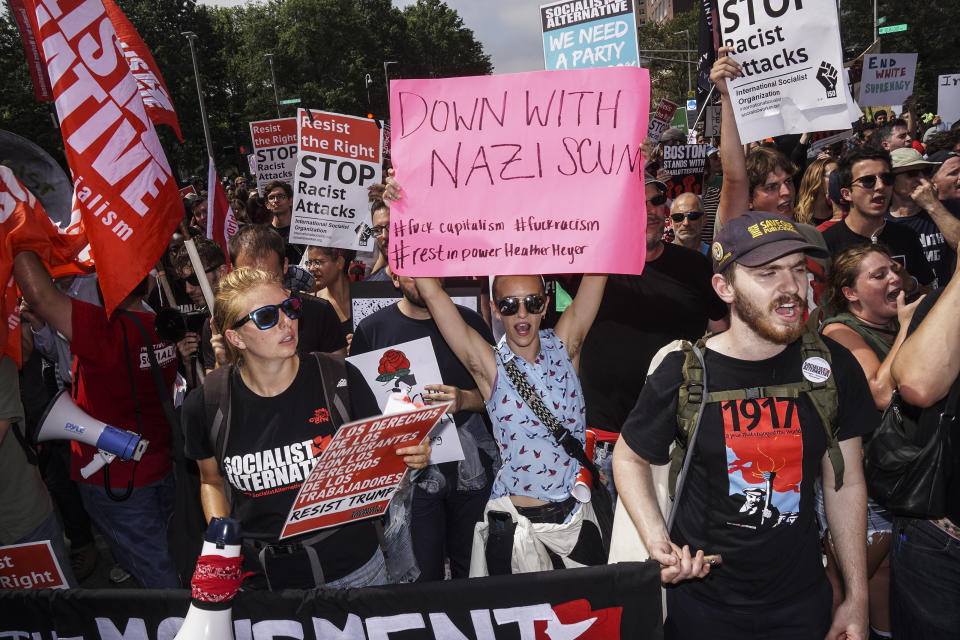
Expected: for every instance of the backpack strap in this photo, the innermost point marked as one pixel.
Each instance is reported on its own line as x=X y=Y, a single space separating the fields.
x=216 y=407
x=336 y=393
x=826 y=399
x=690 y=406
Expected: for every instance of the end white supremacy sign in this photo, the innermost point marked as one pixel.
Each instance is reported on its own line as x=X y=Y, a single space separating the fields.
x=790 y=55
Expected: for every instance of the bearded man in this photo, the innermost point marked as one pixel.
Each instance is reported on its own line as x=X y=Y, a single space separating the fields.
x=749 y=489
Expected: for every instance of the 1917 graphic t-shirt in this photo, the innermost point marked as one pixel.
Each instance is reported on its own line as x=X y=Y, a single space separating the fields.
x=749 y=491
x=272 y=446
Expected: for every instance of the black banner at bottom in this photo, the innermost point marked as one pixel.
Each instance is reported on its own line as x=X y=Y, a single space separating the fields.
x=597 y=603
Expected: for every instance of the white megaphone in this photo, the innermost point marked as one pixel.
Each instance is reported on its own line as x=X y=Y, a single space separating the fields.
x=213 y=620
x=63 y=420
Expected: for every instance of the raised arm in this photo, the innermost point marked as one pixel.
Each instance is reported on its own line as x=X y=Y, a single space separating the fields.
x=471 y=349
x=46 y=301
x=577 y=319
x=925 y=195
x=735 y=194
x=929 y=360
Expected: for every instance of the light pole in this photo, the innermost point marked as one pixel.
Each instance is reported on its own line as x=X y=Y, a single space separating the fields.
x=273 y=77
x=386 y=75
x=686 y=32
x=191 y=36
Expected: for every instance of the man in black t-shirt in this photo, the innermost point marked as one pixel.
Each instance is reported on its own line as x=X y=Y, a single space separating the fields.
x=866 y=182
x=749 y=490
x=925 y=561
x=259 y=246
x=448 y=499
x=639 y=314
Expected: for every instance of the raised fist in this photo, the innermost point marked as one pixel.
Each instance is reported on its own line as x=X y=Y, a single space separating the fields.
x=827 y=75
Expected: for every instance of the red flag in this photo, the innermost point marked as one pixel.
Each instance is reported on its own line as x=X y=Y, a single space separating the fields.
x=25 y=226
x=125 y=192
x=221 y=222
x=149 y=81
x=38 y=72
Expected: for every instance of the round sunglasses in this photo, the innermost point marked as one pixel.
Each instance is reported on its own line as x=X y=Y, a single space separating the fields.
x=534 y=303
x=266 y=317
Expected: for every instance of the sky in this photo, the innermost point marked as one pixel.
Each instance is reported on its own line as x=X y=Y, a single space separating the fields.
x=508 y=29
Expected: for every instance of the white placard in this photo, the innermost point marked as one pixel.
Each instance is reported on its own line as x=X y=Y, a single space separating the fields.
x=417 y=367
x=948 y=98
x=887 y=79
x=791 y=58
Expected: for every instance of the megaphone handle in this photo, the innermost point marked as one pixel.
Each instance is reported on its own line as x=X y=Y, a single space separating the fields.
x=100 y=459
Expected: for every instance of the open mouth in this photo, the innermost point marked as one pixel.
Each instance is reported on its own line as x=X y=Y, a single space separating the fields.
x=522 y=328
x=892 y=296
x=288 y=339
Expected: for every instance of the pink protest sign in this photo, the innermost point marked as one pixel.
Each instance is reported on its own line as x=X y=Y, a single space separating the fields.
x=520 y=173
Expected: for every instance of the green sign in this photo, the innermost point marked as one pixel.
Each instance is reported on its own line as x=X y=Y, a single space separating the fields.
x=290 y=101
x=882 y=20
x=892 y=28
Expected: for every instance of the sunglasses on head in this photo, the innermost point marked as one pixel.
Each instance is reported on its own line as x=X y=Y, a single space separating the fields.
x=534 y=303
x=869 y=182
x=690 y=215
x=657 y=200
x=268 y=316
x=193 y=280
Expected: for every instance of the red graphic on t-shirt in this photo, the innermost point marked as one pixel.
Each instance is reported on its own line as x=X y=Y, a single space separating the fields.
x=765 y=437
x=320 y=415
x=320 y=443
x=605 y=624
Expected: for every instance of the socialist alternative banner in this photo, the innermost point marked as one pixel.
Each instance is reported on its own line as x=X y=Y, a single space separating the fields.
x=338 y=158
x=358 y=471
x=596 y=603
x=274 y=150
x=520 y=173
x=125 y=192
x=790 y=55
x=587 y=35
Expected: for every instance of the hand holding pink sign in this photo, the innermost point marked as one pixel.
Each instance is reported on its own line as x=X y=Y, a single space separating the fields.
x=520 y=173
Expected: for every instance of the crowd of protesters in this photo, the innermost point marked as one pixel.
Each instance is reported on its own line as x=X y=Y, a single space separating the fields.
x=856 y=238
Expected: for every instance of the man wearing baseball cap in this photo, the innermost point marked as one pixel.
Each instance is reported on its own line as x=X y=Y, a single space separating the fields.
x=915 y=204
x=760 y=430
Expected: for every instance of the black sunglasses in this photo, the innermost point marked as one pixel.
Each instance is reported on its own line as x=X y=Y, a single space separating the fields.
x=869 y=182
x=657 y=200
x=690 y=215
x=534 y=303
x=268 y=316
x=193 y=280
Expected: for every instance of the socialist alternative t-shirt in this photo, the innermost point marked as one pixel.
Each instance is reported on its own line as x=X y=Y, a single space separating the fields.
x=273 y=444
x=749 y=492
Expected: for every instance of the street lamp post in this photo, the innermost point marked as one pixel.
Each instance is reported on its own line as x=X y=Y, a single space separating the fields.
x=386 y=75
x=191 y=37
x=686 y=55
x=273 y=77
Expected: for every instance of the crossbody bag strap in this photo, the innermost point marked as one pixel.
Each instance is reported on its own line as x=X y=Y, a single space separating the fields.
x=560 y=434
x=162 y=390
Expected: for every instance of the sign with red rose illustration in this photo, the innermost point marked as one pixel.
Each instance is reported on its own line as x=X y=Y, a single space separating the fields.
x=359 y=471
x=403 y=370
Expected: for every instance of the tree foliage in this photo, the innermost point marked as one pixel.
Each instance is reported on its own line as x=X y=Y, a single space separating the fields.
x=323 y=53
x=931 y=33
x=669 y=78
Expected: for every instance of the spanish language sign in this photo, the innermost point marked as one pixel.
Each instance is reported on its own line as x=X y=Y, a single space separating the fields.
x=358 y=471
x=685 y=163
x=790 y=55
x=274 y=150
x=661 y=120
x=948 y=98
x=338 y=157
x=586 y=34
x=520 y=173
x=887 y=78
x=30 y=566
